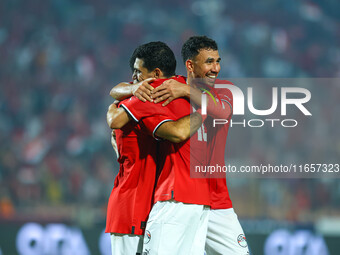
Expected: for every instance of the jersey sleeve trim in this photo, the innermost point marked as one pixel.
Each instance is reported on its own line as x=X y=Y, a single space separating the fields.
x=159 y=124
x=129 y=112
x=231 y=107
x=227 y=97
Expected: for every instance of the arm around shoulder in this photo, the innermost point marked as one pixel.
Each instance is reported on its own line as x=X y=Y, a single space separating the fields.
x=180 y=130
x=122 y=91
x=116 y=117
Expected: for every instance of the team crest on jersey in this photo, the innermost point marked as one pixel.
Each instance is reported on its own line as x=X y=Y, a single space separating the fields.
x=241 y=239
x=147 y=237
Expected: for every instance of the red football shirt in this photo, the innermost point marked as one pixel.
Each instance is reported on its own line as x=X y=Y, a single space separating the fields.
x=217 y=138
x=174 y=180
x=131 y=198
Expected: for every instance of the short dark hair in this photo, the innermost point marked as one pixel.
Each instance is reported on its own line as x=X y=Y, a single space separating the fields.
x=155 y=55
x=194 y=44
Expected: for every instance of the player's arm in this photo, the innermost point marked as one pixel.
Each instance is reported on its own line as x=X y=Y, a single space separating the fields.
x=160 y=121
x=172 y=89
x=180 y=130
x=142 y=90
x=221 y=109
x=116 y=117
x=174 y=131
x=123 y=90
x=114 y=143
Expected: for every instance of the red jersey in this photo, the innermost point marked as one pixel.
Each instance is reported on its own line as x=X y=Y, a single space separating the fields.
x=131 y=198
x=217 y=138
x=174 y=180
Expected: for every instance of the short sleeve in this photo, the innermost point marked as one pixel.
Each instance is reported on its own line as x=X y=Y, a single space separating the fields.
x=151 y=124
x=138 y=109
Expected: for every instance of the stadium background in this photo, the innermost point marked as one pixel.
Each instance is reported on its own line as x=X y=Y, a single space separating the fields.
x=58 y=61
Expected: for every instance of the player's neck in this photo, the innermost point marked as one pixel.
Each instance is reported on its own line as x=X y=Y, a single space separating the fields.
x=190 y=81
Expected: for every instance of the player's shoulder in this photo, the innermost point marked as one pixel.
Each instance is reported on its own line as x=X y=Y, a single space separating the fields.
x=219 y=81
x=125 y=100
x=157 y=82
x=178 y=78
x=225 y=91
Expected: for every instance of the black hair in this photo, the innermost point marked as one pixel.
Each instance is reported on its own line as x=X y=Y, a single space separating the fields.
x=194 y=44
x=155 y=55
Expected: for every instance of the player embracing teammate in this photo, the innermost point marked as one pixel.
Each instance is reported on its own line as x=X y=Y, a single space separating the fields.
x=189 y=215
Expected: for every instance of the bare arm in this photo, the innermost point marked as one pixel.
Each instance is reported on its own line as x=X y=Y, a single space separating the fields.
x=123 y=90
x=114 y=143
x=142 y=90
x=180 y=130
x=116 y=117
x=174 y=131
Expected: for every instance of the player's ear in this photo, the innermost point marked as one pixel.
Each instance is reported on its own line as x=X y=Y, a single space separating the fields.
x=157 y=73
x=189 y=65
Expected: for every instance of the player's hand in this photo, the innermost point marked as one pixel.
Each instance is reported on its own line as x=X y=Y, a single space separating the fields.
x=169 y=90
x=143 y=92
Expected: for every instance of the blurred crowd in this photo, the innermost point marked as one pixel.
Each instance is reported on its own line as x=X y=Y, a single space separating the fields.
x=60 y=58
